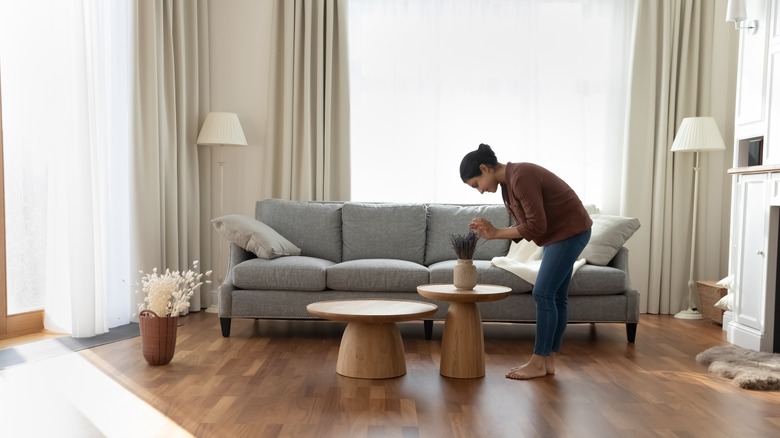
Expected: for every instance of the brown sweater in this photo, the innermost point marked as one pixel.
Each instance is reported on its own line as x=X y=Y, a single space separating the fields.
x=544 y=208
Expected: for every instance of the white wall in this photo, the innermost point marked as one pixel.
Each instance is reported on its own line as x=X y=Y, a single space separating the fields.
x=239 y=49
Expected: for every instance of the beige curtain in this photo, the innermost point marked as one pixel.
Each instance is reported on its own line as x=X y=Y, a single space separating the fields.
x=165 y=226
x=683 y=65
x=307 y=149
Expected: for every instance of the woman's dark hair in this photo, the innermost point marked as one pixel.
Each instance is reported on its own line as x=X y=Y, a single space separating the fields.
x=469 y=166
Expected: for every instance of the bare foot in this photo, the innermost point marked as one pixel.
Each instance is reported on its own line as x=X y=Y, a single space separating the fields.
x=549 y=364
x=535 y=367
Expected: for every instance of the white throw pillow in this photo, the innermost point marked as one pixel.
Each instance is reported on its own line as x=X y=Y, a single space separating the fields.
x=254 y=236
x=726 y=303
x=591 y=208
x=608 y=235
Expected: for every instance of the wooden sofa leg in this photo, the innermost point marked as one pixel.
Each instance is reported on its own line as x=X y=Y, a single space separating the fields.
x=225 y=323
x=631 y=332
x=428 y=325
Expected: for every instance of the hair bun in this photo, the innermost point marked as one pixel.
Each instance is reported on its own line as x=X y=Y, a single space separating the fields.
x=470 y=165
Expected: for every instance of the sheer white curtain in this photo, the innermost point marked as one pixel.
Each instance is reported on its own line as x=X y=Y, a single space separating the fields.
x=540 y=81
x=65 y=67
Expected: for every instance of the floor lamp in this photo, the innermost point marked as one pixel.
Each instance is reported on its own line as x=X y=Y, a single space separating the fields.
x=220 y=129
x=696 y=134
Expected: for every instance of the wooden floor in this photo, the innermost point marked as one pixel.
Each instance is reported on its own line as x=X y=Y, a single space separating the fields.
x=277 y=378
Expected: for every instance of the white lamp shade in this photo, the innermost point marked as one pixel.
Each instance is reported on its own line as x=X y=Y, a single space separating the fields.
x=698 y=134
x=221 y=129
x=735 y=11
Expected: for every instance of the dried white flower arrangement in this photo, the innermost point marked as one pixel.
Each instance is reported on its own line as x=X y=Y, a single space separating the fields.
x=169 y=294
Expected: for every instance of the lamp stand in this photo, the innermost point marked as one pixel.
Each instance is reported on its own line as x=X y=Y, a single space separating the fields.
x=690 y=313
x=214 y=294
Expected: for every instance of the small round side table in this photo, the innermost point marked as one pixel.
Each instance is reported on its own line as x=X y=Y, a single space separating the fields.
x=463 y=342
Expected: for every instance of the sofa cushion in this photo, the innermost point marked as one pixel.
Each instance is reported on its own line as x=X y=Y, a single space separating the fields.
x=608 y=234
x=598 y=280
x=588 y=280
x=254 y=236
x=446 y=219
x=315 y=227
x=377 y=275
x=383 y=231
x=284 y=273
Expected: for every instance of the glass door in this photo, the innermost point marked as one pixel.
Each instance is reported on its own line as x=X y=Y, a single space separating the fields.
x=13 y=321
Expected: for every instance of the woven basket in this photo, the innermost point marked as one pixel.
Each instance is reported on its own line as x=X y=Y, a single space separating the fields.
x=709 y=294
x=158 y=337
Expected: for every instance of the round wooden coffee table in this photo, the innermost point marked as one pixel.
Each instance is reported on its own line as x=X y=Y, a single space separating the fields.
x=463 y=342
x=371 y=346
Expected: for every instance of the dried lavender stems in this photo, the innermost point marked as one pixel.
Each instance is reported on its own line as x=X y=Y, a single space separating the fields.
x=464 y=245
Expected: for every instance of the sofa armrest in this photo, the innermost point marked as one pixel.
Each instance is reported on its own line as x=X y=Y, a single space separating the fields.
x=237 y=255
x=620 y=261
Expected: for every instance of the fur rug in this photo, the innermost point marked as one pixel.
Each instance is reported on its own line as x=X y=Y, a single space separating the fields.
x=748 y=369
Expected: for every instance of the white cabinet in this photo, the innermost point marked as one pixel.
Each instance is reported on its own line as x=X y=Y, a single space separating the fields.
x=750 y=274
x=755 y=207
x=754 y=243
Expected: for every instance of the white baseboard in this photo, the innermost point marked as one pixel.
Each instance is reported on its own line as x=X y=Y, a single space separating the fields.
x=743 y=336
x=727 y=318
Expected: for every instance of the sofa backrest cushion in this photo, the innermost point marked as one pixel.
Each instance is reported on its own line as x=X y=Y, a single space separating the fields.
x=383 y=231
x=446 y=219
x=314 y=227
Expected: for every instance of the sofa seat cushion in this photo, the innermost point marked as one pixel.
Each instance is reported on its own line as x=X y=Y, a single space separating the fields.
x=588 y=280
x=284 y=273
x=441 y=272
x=598 y=280
x=377 y=275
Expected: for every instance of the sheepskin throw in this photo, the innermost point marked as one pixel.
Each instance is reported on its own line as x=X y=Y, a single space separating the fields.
x=748 y=369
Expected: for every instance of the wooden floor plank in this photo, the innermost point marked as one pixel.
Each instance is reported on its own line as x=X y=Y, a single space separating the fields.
x=278 y=379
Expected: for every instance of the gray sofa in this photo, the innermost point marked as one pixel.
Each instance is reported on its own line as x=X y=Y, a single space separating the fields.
x=385 y=250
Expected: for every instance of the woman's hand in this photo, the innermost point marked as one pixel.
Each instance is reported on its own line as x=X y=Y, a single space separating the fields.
x=483 y=228
x=487 y=231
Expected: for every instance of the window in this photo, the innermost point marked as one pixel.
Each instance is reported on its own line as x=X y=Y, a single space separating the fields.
x=66 y=101
x=539 y=80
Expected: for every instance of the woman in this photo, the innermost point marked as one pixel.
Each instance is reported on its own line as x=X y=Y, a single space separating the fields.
x=546 y=211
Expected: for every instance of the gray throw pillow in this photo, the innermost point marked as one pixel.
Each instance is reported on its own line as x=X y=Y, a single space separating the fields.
x=608 y=235
x=254 y=236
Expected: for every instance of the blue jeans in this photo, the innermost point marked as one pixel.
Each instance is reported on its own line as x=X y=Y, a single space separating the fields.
x=551 y=291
